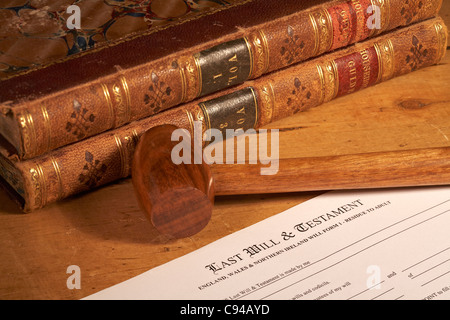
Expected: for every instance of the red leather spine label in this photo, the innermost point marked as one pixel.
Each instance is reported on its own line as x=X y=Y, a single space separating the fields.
x=349 y=22
x=357 y=71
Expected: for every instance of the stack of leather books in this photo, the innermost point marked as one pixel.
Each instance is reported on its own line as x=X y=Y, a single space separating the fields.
x=72 y=125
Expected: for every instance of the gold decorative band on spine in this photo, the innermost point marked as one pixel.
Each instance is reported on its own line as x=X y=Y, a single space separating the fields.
x=47 y=127
x=207 y=123
x=39 y=186
x=28 y=133
x=323 y=30
x=331 y=77
x=250 y=52
x=385 y=50
x=259 y=54
x=380 y=62
x=442 y=41
x=322 y=84
x=385 y=13
x=183 y=85
x=58 y=177
x=190 y=71
x=135 y=135
x=255 y=100
x=316 y=34
x=119 y=102
x=198 y=70
x=109 y=104
x=268 y=98
x=126 y=91
x=191 y=121
x=123 y=164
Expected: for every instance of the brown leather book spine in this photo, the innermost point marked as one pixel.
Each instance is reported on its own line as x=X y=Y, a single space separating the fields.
x=107 y=157
x=35 y=127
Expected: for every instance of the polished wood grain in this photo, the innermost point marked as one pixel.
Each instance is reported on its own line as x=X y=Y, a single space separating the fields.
x=107 y=235
x=389 y=169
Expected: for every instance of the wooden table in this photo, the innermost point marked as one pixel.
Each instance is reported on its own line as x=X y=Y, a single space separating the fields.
x=107 y=236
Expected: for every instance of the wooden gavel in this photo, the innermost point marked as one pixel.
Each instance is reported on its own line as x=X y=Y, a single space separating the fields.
x=179 y=199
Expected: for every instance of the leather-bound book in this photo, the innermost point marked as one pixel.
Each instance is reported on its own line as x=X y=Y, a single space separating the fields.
x=109 y=87
x=36 y=33
x=107 y=157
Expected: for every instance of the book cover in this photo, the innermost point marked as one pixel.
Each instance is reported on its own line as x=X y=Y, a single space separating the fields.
x=106 y=89
x=107 y=157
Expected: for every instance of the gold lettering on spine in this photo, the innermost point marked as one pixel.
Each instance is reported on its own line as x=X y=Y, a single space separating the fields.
x=385 y=55
x=259 y=52
x=47 y=127
x=59 y=177
x=38 y=185
x=442 y=41
x=28 y=134
x=323 y=30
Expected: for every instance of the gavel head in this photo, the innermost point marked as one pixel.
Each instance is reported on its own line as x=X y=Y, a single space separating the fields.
x=177 y=198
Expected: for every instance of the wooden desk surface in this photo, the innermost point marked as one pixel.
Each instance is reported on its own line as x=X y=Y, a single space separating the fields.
x=107 y=236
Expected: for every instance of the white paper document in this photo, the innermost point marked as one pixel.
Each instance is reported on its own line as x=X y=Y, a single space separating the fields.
x=384 y=244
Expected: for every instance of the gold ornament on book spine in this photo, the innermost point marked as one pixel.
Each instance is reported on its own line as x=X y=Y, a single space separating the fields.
x=250 y=52
x=109 y=104
x=385 y=15
x=119 y=102
x=191 y=78
x=268 y=104
x=197 y=115
x=28 y=133
x=123 y=158
x=198 y=71
x=322 y=84
x=442 y=40
x=183 y=85
x=323 y=31
x=59 y=178
x=385 y=52
x=39 y=186
x=329 y=78
x=122 y=99
x=47 y=127
x=259 y=50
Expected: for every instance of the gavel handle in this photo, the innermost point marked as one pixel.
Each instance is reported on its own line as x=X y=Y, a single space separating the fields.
x=178 y=198
x=417 y=167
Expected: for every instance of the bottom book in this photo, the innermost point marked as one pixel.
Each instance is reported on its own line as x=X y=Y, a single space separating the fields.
x=107 y=157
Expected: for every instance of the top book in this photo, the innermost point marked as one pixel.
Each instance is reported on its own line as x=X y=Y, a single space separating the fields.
x=35 y=33
x=135 y=78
